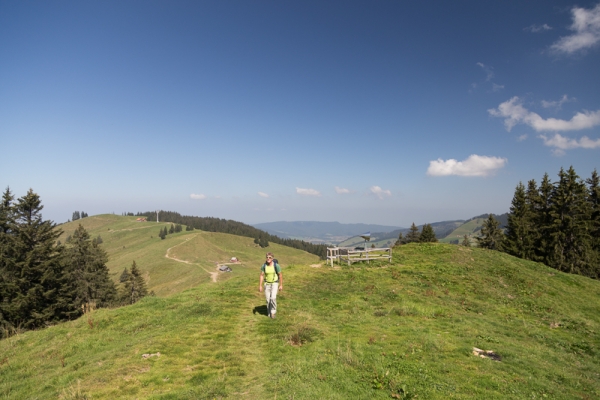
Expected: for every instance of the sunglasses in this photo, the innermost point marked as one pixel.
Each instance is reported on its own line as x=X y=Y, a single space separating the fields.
x=269 y=257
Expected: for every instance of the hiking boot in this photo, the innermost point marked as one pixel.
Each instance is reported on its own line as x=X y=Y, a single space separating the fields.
x=273 y=316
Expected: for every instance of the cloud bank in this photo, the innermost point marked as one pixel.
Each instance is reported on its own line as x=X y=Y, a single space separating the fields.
x=262 y=194
x=308 y=192
x=473 y=166
x=586 y=25
x=514 y=113
x=194 y=196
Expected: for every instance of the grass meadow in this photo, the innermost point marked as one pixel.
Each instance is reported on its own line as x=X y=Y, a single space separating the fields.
x=402 y=330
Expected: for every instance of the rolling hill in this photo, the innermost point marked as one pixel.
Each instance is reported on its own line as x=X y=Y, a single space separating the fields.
x=405 y=329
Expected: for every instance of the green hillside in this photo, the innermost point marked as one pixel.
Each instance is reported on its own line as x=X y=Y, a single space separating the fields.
x=380 y=331
x=198 y=252
x=468 y=228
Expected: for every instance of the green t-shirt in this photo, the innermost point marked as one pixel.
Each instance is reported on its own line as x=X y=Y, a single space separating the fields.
x=271 y=272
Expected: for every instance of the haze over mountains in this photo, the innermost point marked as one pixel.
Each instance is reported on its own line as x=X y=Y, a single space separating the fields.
x=343 y=234
x=329 y=232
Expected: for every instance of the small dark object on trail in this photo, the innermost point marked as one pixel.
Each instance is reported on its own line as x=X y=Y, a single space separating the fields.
x=224 y=268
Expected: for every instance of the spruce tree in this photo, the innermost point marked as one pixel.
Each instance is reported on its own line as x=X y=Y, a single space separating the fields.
x=124 y=276
x=413 y=234
x=89 y=280
x=172 y=229
x=570 y=236
x=427 y=234
x=543 y=221
x=76 y=215
x=400 y=240
x=491 y=234
x=135 y=287
x=466 y=242
x=594 y=202
x=519 y=240
x=33 y=276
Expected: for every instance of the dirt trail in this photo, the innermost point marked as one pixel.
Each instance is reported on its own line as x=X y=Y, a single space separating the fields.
x=213 y=275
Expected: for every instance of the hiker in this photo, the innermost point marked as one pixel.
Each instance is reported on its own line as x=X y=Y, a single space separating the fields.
x=270 y=275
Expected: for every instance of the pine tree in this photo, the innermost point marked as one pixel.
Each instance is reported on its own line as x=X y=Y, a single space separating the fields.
x=89 y=281
x=427 y=234
x=491 y=234
x=76 y=215
x=172 y=229
x=161 y=234
x=519 y=240
x=413 y=234
x=135 y=287
x=570 y=237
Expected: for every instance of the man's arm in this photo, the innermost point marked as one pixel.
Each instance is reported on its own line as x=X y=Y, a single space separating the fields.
x=280 y=281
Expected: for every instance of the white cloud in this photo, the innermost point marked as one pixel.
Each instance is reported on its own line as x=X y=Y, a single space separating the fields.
x=379 y=192
x=496 y=87
x=564 y=143
x=261 y=194
x=340 y=190
x=586 y=25
x=522 y=137
x=473 y=166
x=308 y=192
x=538 y=28
x=557 y=104
x=513 y=113
x=197 y=196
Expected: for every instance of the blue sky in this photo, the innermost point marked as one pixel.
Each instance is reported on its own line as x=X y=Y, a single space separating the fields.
x=381 y=112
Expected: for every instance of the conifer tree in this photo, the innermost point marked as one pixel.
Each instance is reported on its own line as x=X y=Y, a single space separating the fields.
x=85 y=264
x=76 y=215
x=32 y=274
x=543 y=221
x=400 y=240
x=519 y=240
x=594 y=201
x=124 y=276
x=172 y=229
x=135 y=287
x=413 y=234
x=466 y=242
x=570 y=237
x=491 y=234
x=427 y=234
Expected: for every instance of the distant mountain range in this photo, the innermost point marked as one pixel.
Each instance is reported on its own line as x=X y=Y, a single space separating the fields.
x=347 y=234
x=320 y=232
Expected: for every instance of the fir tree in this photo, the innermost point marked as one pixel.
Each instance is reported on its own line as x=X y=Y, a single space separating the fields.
x=570 y=237
x=427 y=234
x=413 y=234
x=594 y=202
x=124 y=276
x=172 y=229
x=491 y=234
x=519 y=240
x=31 y=274
x=400 y=240
x=89 y=281
x=466 y=242
x=543 y=221
x=135 y=287
x=76 y=215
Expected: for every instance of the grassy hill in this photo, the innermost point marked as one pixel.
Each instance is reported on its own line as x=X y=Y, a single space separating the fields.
x=198 y=252
x=468 y=228
x=401 y=330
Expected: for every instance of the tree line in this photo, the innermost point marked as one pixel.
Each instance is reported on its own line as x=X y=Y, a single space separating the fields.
x=556 y=223
x=43 y=281
x=211 y=224
x=413 y=235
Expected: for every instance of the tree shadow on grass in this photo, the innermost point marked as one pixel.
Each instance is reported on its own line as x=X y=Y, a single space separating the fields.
x=262 y=310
